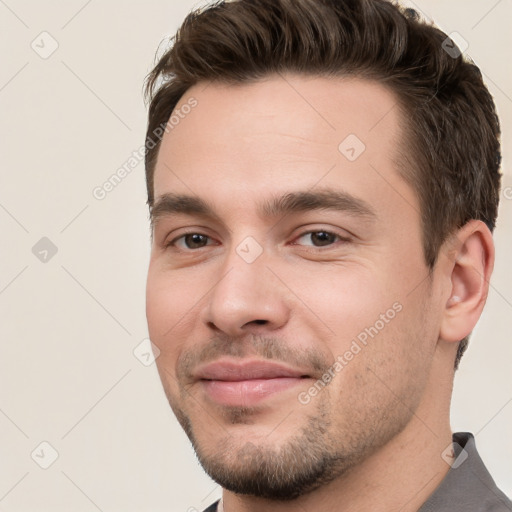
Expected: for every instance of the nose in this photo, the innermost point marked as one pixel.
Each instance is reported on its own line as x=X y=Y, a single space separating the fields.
x=247 y=298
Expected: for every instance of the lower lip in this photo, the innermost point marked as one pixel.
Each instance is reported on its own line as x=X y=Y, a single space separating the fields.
x=247 y=392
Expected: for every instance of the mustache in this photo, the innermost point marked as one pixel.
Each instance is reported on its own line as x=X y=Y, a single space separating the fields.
x=264 y=347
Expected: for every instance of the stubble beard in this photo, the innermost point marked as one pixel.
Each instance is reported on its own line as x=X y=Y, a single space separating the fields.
x=315 y=456
x=337 y=432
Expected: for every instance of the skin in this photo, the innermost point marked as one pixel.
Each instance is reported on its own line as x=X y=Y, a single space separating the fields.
x=385 y=416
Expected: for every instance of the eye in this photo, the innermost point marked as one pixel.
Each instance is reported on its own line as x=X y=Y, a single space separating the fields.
x=190 y=241
x=320 y=238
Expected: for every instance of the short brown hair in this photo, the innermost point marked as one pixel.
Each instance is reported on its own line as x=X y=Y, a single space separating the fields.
x=451 y=129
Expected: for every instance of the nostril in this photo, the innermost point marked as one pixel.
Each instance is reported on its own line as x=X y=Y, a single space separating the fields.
x=260 y=322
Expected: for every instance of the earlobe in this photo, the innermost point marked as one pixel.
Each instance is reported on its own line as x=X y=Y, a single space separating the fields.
x=469 y=274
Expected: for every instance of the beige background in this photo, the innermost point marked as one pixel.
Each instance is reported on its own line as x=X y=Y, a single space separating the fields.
x=68 y=375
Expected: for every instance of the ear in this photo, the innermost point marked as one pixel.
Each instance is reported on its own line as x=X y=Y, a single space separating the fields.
x=469 y=268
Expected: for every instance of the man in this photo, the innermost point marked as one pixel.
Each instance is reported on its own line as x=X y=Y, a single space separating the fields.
x=323 y=181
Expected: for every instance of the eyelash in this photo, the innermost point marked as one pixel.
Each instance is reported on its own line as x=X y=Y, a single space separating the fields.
x=338 y=237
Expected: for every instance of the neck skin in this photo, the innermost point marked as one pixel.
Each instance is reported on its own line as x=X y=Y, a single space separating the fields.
x=399 y=476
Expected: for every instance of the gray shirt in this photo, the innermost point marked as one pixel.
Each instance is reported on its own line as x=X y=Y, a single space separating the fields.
x=467 y=487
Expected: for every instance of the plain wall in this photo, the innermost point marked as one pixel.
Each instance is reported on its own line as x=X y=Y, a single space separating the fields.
x=69 y=325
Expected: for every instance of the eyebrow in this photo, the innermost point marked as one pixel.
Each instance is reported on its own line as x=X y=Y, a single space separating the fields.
x=292 y=202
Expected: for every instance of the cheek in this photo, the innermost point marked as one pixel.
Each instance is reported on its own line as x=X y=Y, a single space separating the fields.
x=344 y=299
x=169 y=303
x=373 y=324
x=169 y=297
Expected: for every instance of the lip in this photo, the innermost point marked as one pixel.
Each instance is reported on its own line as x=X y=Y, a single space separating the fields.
x=246 y=383
x=226 y=370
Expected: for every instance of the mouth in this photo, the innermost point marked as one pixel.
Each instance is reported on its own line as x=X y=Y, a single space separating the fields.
x=247 y=383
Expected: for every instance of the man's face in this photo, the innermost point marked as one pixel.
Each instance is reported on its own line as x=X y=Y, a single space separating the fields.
x=289 y=296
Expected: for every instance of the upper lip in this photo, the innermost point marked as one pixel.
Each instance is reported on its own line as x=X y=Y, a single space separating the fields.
x=246 y=370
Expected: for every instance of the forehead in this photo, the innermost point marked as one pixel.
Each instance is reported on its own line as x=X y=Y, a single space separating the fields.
x=240 y=142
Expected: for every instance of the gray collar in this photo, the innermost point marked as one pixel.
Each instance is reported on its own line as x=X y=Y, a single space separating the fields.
x=468 y=486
